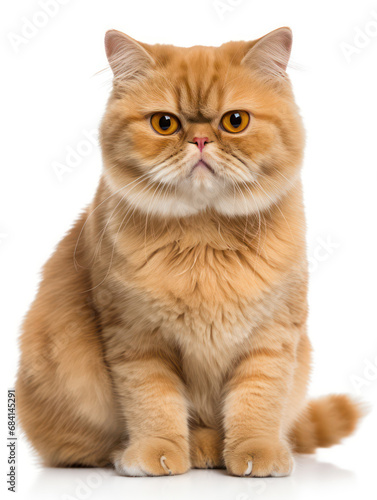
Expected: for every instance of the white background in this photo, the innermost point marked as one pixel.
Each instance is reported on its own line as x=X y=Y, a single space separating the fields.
x=50 y=99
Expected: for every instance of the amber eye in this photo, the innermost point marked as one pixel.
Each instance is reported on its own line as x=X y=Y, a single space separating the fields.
x=235 y=121
x=165 y=124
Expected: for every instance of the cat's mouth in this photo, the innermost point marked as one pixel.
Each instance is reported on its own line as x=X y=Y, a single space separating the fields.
x=201 y=167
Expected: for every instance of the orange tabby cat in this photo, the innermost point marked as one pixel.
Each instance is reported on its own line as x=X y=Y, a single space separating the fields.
x=169 y=330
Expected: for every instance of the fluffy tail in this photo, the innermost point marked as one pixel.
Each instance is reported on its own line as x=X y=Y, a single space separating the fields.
x=325 y=422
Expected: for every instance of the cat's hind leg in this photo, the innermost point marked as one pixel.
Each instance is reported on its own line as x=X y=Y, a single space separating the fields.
x=64 y=396
x=206 y=448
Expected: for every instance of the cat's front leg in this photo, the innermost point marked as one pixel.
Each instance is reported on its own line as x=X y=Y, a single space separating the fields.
x=155 y=410
x=253 y=411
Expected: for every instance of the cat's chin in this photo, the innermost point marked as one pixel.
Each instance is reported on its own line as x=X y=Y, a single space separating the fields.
x=202 y=184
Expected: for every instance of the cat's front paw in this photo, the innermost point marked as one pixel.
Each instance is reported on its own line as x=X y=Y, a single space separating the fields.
x=153 y=457
x=259 y=458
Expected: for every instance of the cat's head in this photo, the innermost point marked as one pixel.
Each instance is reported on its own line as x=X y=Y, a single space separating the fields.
x=201 y=128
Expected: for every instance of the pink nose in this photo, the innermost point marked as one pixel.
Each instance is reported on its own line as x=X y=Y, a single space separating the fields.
x=200 y=142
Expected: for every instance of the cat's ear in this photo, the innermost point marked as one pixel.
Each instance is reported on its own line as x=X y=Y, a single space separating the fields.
x=127 y=58
x=270 y=54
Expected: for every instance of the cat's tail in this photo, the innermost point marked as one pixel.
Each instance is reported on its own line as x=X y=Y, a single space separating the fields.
x=325 y=422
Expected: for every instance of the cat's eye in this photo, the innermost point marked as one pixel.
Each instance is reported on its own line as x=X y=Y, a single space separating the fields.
x=235 y=121
x=165 y=123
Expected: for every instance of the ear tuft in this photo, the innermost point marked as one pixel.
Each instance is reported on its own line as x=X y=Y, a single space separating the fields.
x=127 y=58
x=270 y=54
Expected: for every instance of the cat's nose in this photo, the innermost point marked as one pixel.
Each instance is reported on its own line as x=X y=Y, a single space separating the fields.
x=200 y=142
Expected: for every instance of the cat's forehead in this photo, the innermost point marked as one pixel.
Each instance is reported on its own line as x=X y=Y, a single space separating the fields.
x=199 y=81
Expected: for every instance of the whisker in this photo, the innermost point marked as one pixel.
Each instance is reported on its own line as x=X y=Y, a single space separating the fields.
x=76 y=264
x=117 y=235
x=99 y=244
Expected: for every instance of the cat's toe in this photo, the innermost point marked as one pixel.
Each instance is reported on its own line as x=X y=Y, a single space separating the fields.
x=153 y=457
x=129 y=468
x=259 y=458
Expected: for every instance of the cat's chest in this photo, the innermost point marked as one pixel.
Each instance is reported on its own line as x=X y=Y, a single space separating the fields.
x=206 y=298
x=204 y=282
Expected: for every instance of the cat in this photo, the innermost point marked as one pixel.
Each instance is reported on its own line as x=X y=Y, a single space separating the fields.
x=169 y=330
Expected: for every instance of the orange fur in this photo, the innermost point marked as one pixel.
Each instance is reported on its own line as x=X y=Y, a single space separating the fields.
x=169 y=330
x=325 y=422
